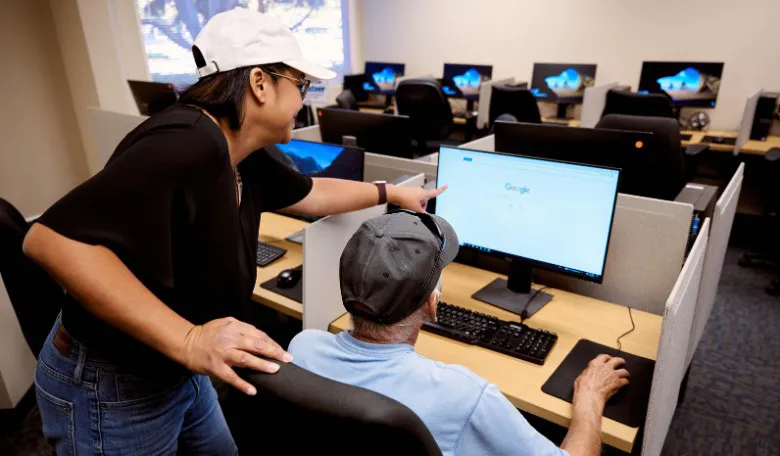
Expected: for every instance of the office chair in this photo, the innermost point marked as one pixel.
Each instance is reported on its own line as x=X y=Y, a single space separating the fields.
x=297 y=412
x=668 y=169
x=771 y=191
x=35 y=297
x=514 y=100
x=638 y=104
x=346 y=100
x=354 y=83
x=429 y=110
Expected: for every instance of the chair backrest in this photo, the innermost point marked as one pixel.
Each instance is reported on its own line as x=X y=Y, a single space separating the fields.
x=302 y=412
x=429 y=110
x=668 y=168
x=517 y=101
x=346 y=100
x=354 y=82
x=638 y=104
x=35 y=297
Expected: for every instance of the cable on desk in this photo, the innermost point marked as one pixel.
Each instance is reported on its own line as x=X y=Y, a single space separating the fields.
x=524 y=313
x=633 y=327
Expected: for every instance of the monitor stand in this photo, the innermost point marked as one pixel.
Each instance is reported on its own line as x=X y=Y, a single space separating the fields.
x=562 y=110
x=513 y=294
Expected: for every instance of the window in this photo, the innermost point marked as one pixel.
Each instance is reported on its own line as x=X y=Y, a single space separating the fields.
x=170 y=26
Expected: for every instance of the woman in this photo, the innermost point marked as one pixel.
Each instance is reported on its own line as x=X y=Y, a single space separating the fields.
x=157 y=252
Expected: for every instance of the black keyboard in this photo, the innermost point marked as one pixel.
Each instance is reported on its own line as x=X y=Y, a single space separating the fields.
x=719 y=140
x=685 y=137
x=507 y=337
x=267 y=253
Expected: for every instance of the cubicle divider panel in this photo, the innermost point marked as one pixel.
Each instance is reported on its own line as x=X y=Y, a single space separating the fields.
x=675 y=334
x=109 y=128
x=324 y=240
x=646 y=252
x=384 y=167
x=485 y=93
x=722 y=220
x=311 y=133
x=593 y=104
x=487 y=144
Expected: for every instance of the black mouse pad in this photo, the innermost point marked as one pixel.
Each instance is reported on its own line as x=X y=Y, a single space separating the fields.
x=629 y=405
x=295 y=293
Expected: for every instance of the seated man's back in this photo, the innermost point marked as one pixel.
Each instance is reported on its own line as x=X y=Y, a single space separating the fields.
x=465 y=414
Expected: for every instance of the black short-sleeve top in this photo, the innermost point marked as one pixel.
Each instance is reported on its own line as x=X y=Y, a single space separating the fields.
x=165 y=204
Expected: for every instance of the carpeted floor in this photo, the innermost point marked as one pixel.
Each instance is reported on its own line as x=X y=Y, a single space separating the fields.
x=732 y=406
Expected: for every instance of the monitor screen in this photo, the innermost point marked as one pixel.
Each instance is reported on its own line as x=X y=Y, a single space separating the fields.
x=562 y=82
x=633 y=152
x=321 y=160
x=552 y=214
x=687 y=83
x=464 y=81
x=381 y=77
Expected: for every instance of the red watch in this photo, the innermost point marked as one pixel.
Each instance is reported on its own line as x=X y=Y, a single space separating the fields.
x=382 y=187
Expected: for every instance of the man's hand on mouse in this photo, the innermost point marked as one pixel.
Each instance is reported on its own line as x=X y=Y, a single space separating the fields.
x=603 y=377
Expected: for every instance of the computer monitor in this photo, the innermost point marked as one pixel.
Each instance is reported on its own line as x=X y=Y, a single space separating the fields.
x=379 y=133
x=464 y=81
x=687 y=83
x=537 y=213
x=152 y=97
x=562 y=83
x=381 y=77
x=632 y=151
x=321 y=160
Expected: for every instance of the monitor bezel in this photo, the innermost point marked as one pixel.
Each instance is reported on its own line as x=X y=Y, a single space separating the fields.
x=537 y=263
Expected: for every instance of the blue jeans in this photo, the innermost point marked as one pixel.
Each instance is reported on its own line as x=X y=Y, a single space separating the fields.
x=90 y=406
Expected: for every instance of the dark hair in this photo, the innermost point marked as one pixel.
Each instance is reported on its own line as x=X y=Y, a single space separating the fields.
x=222 y=94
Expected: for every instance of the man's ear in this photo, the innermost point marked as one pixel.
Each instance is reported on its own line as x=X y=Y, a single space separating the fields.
x=431 y=304
x=258 y=84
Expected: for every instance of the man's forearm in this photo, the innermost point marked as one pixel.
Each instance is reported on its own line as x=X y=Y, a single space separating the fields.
x=584 y=436
x=337 y=196
x=108 y=289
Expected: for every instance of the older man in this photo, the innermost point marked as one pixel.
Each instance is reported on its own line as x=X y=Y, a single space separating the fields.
x=390 y=284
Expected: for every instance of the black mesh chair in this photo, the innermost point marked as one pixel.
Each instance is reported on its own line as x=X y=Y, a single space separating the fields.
x=429 y=110
x=354 y=83
x=296 y=412
x=637 y=104
x=346 y=100
x=516 y=101
x=35 y=297
x=668 y=169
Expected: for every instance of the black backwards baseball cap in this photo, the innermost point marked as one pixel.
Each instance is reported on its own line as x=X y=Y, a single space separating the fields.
x=392 y=264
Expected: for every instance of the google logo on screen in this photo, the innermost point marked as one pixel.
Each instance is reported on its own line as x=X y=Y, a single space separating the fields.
x=521 y=190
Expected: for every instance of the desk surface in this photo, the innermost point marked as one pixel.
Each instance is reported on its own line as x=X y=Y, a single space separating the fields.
x=571 y=316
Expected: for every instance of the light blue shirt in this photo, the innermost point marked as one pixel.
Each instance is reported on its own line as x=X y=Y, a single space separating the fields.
x=466 y=414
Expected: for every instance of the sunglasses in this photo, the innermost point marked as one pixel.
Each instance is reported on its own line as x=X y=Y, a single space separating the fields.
x=302 y=84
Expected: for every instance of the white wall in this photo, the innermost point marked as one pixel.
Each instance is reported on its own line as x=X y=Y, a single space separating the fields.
x=616 y=34
x=41 y=155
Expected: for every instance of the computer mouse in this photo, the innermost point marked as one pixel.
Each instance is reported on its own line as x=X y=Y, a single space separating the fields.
x=288 y=278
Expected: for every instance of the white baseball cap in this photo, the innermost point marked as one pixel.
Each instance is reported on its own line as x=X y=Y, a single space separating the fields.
x=243 y=37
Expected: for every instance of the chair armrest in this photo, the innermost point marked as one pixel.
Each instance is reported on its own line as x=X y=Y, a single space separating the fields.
x=696 y=149
x=772 y=154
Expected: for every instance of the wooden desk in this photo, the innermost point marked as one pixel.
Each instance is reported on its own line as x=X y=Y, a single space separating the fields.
x=697 y=136
x=273 y=229
x=564 y=122
x=570 y=315
x=760 y=147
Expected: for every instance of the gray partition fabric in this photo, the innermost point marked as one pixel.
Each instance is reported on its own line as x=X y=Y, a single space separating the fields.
x=108 y=129
x=387 y=168
x=593 y=104
x=485 y=92
x=722 y=220
x=646 y=252
x=675 y=334
x=310 y=133
x=487 y=144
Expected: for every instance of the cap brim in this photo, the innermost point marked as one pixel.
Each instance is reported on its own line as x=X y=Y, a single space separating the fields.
x=311 y=69
x=452 y=245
